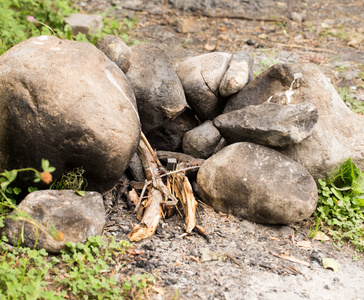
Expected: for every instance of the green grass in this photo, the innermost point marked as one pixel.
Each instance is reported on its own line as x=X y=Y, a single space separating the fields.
x=88 y=270
x=348 y=97
x=22 y=19
x=341 y=204
x=83 y=271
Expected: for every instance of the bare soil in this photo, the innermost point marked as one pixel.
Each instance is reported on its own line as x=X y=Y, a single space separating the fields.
x=241 y=259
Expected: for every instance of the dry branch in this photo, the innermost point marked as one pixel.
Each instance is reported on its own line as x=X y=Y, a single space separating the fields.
x=183 y=190
x=162 y=198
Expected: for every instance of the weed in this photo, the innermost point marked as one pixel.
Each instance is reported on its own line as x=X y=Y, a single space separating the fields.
x=361 y=75
x=22 y=19
x=73 y=180
x=265 y=64
x=84 y=271
x=348 y=97
x=341 y=205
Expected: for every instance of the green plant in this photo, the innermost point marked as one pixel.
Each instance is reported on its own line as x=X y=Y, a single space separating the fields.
x=341 y=204
x=7 y=196
x=23 y=274
x=21 y=19
x=84 y=271
x=73 y=180
x=348 y=97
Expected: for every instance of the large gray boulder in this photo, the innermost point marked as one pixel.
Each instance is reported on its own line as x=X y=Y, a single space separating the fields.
x=157 y=88
x=257 y=183
x=338 y=133
x=67 y=216
x=65 y=101
x=268 y=124
x=201 y=76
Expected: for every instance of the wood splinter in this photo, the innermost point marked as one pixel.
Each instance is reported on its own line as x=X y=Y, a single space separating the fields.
x=159 y=193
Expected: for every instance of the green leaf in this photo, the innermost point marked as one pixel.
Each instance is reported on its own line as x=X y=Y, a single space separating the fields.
x=80 y=193
x=37 y=177
x=45 y=165
x=51 y=169
x=337 y=193
x=17 y=190
x=32 y=189
x=4 y=185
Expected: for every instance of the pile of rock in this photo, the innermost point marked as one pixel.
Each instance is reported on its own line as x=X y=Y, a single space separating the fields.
x=76 y=106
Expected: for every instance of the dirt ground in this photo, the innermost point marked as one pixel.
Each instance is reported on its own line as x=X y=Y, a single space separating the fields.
x=241 y=259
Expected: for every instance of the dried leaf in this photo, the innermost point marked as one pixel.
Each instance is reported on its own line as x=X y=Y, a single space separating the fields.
x=304 y=244
x=320 y=236
x=208 y=255
x=355 y=43
x=159 y=290
x=330 y=263
x=212 y=47
x=135 y=251
x=263 y=36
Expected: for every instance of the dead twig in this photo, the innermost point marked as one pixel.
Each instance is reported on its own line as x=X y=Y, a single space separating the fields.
x=291 y=259
x=242 y=17
x=307 y=48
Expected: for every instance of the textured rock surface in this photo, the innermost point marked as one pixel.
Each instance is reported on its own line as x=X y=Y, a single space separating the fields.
x=257 y=183
x=116 y=50
x=201 y=141
x=201 y=76
x=338 y=133
x=238 y=75
x=268 y=124
x=76 y=217
x=67 y=102
x=157 y=88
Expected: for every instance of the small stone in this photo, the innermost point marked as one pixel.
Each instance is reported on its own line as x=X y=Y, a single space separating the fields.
x=185 y=25
x=74 y=218
x=86 y=24
x=116 y=50
x=201 y=141
x=299 y=18
x=238 y=75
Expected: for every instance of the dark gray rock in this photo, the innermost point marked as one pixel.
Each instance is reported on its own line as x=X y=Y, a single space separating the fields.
x=136 y=168
x=116 y=50
x=338 y=133
x=201 y=141
x=257 y=183
x=65 y=101
x=268 y=84
x=201 y=76
x=169 y=136
x=269 y=124
x=157 y=88
x=238 y=75
x=76 y=217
